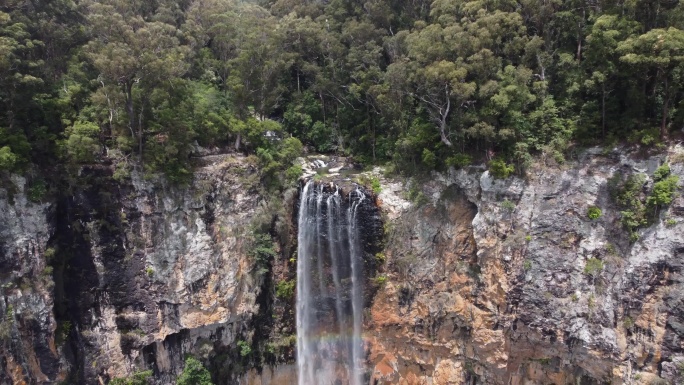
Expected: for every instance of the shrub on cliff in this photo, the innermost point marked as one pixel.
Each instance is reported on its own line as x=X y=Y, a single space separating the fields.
x=500 y=169
x=139 y=378
x=664 y=187
x=194 y=373
x=285 y=289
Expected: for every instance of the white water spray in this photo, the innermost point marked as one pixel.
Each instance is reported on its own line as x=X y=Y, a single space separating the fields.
x=329 y=288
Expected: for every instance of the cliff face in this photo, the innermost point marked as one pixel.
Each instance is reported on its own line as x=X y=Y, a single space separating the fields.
x=510 y=282
x=485 y=281
x=27 y=325
x=143 y=274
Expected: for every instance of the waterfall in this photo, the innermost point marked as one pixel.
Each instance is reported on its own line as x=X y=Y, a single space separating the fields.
x=329 y=287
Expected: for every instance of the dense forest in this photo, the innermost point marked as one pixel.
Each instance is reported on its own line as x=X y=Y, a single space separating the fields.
x=416 y=84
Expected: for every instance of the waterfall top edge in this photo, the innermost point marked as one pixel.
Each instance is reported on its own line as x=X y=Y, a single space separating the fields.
x=344 y=188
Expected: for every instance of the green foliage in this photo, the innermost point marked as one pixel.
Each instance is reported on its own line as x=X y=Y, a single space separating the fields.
x=628 y=194
x=49 y=253
x=429 y=159
x=661 y=172
x=380 y=280
x=36 y=190
x=591 y=302
x=527 y=265
x=416 y=195
x=139 y=378
x=500 y=169
x=121 y=172
x=593 y=267
x=82 y=145
x=664 y=187
x=276 y=160
x=459 y=160
x=594 y=213
x=150 y=81
x=285 y=289
x=7 y=159
x=508 y=205
x=293 y=173
x=262 y=250
x=281 y=344
x=628 y=322
x=62 y=332
x=647 y=136
x=375 y=185
x=7 y=323
x=663 y=191
x=245 y=348
x=194 y=373
x=635 y=202
x=47 y=271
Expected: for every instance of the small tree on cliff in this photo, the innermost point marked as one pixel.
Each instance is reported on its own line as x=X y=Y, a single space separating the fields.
x=194 y=373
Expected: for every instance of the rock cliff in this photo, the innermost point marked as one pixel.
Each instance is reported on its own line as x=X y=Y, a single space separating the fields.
x=511 y=282
x=482 y=281
x=113 y=278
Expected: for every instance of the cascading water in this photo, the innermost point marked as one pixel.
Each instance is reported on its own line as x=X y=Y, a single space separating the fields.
x=329 y=287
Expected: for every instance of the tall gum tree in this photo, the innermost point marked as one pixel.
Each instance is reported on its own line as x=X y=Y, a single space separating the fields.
x=661 y=53
x=131 y=52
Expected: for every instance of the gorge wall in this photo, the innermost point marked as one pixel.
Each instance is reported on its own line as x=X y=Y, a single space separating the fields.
x=138 y=275
x=489 y=282
x=482 y=281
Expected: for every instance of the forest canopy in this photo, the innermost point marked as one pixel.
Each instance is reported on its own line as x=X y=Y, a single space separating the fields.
x=420 y=84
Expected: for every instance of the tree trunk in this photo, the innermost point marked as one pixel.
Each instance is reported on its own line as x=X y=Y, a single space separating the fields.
x=579 y=36
x=444 y=114
x=131 y=116
x=370 y=121
x=603 y=109
x=663 y=122
x=237 y=142
x=442 y=133
x=129 y=107
x=320 y=95
x=140 y=133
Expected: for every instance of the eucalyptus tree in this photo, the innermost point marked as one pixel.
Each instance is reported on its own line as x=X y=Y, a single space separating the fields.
x=602 y=63
x=132 y=56
x=660 y=53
